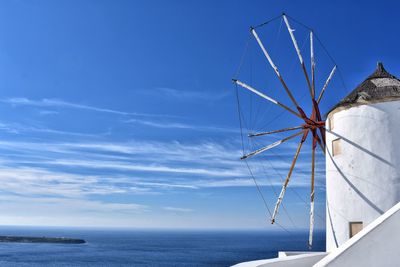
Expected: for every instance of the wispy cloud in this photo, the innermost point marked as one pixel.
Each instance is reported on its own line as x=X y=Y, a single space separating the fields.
x=58 y=211
x=17 y=128
x=77 y=204
x=175 y=209
x=65 y=104
x=149 y=165
x=30 y=181
x=191 y=94
x=174 y=125
x=154 y=168
x=177 y=125
x=48 y=112
x=8 y=128
x=78 y=179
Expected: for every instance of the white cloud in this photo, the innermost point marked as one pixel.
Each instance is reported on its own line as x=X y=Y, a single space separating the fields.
x=191 y=94
x=48 y=112
x=175 y=209
x=177 y=125
x=16 y=128
x=80 y=180
x=56 y=211
x=37 y=181
x=150 y=164
x=20 y=101
x=149 y=167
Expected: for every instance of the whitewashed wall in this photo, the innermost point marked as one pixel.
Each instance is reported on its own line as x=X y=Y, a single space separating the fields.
x=364 y=180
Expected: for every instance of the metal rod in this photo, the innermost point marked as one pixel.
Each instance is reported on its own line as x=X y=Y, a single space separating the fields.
x=290 y=30
x=276 y=131
x=326 y=84
x=277 y=143
x=285 y=184
x=248 y=87
x=253 y=31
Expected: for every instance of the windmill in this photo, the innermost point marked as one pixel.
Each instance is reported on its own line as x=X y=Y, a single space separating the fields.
x=313 y=125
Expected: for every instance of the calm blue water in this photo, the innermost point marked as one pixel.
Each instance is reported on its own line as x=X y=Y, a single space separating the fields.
x=150 y=248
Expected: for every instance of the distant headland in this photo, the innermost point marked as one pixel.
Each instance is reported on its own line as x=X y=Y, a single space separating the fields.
x=27 y=239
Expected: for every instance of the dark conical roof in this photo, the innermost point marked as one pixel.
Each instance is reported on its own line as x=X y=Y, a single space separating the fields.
x=378 y=87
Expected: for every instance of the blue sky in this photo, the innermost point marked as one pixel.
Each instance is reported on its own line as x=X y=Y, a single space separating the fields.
x=123 y=114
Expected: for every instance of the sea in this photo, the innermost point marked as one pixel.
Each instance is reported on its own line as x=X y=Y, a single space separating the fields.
x=109 y=247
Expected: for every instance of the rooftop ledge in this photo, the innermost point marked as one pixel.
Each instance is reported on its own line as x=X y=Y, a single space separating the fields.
x=287 y=258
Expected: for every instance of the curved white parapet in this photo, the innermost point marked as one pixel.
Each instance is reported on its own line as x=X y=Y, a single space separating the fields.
x=375 y=245
x=300 y=260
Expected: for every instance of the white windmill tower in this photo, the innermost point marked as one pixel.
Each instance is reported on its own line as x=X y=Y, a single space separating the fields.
x=363 y=156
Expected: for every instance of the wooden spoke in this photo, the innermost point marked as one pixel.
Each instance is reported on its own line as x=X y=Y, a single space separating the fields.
x=326 y=84
x=276 y=131
x=285 y=184
x=270 y=99
x=290 y=30
x=258 y=151
x=312 y=193
x=253 y=31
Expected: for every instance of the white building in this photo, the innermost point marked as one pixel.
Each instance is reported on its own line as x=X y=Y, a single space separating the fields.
x=363 y=159
x=362 y=180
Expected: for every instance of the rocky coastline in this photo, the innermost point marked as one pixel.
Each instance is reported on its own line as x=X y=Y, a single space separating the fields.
x=29 y=239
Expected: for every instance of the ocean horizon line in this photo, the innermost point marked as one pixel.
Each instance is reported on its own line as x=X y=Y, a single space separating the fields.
x=159 y=229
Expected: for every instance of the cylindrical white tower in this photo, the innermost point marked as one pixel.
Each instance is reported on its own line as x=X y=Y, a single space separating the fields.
x=363 y=156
